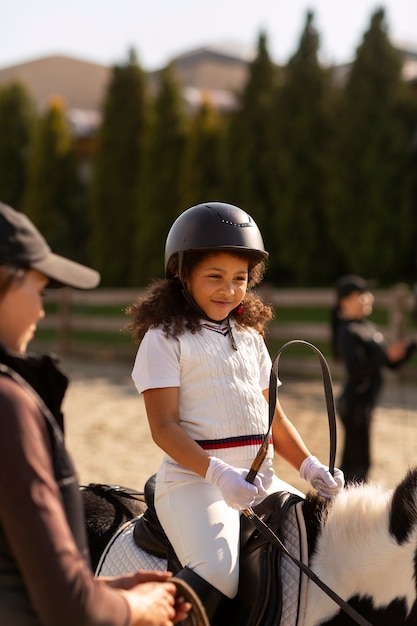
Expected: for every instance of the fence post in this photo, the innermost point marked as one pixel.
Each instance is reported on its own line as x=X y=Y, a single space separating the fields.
x=64 y=316
x=399 y=310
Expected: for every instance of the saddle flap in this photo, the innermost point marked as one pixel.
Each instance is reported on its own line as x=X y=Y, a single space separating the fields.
x=148 y=533
x=259 y=600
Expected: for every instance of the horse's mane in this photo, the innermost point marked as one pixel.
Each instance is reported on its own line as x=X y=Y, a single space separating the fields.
x=347 y=517
x=357 y=511
x=356 y=530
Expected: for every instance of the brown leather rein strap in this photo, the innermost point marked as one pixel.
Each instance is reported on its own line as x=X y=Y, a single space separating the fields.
x=273 y=386
x=269 y=534
x=331 y=414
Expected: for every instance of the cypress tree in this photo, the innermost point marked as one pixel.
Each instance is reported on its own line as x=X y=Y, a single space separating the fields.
x=251 y=150
x=17 y=124
x=370 y=210
x=202 y=171
x=116 y=169
x=301 y=144
x=158 y=193
x=53 y=198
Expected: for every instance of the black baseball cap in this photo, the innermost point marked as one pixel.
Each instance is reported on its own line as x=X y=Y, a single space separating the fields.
x=349 y=284
x=22 y=245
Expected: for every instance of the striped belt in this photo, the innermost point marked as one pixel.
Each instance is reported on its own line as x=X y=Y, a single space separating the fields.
x=232 y=442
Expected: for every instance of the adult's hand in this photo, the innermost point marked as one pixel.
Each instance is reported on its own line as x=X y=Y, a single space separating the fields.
x=154 y=604
x=127 y=581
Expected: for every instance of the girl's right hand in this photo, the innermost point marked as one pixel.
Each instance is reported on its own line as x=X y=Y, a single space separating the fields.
x=236 y=491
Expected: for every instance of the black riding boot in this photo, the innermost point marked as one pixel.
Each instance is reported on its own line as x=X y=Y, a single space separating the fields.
x=209 y=595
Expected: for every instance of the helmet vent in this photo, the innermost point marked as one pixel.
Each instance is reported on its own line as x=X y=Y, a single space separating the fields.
x=236 y=224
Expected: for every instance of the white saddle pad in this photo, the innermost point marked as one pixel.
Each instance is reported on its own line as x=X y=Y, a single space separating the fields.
x=294 y=582
x=123 y=556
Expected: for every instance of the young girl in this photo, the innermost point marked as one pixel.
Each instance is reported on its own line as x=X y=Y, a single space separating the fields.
x=203 y=369
x=45 y=578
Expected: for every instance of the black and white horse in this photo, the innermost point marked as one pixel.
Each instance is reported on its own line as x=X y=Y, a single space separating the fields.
x=362 y=544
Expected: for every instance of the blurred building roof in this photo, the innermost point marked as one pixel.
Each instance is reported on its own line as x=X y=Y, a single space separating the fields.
x=80 y=84
x=214 y=72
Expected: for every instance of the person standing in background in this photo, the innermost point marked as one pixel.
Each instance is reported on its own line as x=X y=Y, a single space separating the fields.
x=360 y=346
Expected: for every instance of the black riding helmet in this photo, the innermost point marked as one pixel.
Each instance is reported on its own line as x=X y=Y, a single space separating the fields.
x=213 y=226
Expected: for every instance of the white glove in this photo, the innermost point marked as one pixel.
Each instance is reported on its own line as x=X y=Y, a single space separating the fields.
x=319 y=477
x=236 y=491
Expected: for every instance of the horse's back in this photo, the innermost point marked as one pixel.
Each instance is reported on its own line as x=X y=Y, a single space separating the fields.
x=106 y=510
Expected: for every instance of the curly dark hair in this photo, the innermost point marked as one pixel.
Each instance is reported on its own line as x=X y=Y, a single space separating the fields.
x=165 y=306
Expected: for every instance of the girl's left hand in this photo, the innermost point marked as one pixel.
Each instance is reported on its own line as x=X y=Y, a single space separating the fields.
x=319 y=477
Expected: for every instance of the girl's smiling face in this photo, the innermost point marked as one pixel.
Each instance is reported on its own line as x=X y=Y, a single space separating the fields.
x=218 y=283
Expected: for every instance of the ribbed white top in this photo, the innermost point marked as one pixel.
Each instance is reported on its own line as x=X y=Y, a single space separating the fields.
x=220 y=388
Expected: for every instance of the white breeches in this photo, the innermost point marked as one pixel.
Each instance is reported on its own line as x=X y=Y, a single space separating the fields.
x=203 y=530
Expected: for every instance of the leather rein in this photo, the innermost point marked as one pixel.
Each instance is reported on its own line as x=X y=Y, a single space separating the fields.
x=262 y=452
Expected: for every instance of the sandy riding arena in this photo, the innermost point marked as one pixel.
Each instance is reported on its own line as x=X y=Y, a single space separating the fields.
x=108 y=434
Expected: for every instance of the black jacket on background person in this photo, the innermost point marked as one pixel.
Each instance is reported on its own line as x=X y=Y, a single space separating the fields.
x=361 y=349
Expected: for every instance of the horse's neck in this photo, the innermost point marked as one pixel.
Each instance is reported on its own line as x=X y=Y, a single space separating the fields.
x=356 y=555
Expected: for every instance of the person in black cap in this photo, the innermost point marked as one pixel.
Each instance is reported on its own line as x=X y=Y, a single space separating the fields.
x=360 y=346
x=45 y=579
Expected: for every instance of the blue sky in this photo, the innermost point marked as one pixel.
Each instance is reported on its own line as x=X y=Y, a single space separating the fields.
x=104 y=30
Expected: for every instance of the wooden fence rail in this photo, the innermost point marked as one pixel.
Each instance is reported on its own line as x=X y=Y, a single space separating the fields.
x=75 y=311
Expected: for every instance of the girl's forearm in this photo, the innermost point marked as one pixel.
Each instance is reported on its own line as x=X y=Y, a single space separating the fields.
x=175 y=442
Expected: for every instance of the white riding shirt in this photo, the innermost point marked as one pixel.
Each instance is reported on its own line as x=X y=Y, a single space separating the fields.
x=221 y=404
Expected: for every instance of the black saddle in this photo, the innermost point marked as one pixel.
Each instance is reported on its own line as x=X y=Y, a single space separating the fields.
x=148 y=532
x=259 y=597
